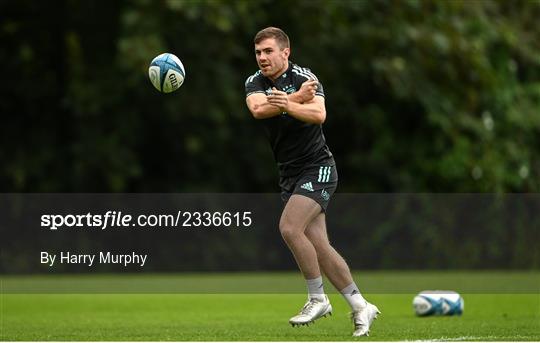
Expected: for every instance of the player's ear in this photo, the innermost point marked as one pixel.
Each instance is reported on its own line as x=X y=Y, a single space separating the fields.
x=286 y=52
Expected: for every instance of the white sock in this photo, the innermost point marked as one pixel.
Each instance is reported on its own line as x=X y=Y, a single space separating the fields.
x=315 y=288
x=352 y=294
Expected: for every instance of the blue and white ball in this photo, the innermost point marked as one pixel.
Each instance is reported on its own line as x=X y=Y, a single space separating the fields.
x=442 y=303
x=166 y=73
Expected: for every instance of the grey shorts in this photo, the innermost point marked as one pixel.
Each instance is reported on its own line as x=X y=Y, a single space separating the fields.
x=317 y=182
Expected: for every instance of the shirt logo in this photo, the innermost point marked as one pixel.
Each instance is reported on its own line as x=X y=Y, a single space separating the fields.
x=325 y=195
x=288 y=88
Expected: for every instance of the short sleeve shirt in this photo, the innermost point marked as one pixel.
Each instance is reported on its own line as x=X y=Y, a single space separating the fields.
x=295 y=144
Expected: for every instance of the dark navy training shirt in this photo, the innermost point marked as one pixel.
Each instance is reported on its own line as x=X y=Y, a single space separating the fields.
x=295 y=144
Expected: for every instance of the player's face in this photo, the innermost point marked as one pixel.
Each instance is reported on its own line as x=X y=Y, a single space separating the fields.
x=271 y=59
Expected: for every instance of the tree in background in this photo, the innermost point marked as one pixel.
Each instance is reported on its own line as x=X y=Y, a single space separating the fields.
x=423 y=96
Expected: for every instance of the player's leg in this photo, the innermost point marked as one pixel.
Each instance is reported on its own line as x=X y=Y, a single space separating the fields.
x=330 y=261
x=298 y=213
x=338 y=272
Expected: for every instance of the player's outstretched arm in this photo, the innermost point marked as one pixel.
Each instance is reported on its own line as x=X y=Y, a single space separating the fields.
x=260 y=108
x=312 y=111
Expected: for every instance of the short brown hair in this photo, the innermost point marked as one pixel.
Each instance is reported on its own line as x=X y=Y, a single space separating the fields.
x=273 y=32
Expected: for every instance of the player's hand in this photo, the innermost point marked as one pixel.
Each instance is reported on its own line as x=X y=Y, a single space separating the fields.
x=307 y=90
x=278 y=99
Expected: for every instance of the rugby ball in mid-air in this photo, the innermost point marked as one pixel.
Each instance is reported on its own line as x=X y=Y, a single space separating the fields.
x=166 y=73
x=445 y=303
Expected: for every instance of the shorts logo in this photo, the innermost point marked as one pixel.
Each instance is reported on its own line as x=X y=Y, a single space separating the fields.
x=307 y=186
x=325 y=195
x=324 y=174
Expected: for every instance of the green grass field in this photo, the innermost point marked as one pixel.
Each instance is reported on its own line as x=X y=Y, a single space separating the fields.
x=252 y=317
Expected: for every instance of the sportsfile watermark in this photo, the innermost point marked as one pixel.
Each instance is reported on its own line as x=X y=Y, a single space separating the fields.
x=122 y=233
x=189 y=243
x=118 y=219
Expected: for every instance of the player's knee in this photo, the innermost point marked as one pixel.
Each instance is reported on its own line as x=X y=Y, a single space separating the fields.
x=288 y=231
x=322 y=246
